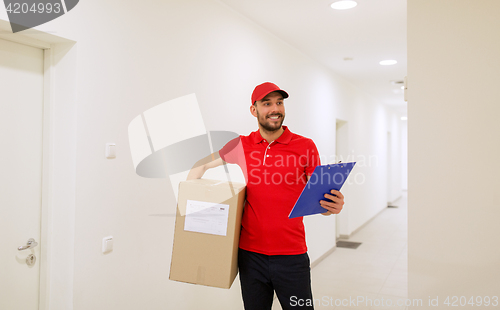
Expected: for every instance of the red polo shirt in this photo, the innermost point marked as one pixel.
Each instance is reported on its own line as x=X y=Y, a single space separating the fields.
x=276 y=174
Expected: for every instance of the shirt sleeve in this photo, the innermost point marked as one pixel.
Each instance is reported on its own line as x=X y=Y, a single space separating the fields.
x=313 y=159
x=232 y=152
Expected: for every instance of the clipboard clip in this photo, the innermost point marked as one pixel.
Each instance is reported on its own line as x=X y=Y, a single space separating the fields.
x=337 y=164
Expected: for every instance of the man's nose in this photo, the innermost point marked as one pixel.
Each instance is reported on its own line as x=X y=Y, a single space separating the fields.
x=274 y=108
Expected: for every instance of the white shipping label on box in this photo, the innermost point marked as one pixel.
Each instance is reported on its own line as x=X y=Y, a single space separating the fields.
x=206 y=217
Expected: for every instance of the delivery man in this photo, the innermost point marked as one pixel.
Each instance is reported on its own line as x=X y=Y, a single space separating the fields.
x=276 y=163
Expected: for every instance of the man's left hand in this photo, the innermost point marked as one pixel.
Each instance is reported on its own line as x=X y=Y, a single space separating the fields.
x=335 y=205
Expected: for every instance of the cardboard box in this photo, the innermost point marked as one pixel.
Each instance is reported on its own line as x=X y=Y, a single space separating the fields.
x=207 y=232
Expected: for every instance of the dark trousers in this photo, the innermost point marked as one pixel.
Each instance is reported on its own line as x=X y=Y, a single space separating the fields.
x=288 y=275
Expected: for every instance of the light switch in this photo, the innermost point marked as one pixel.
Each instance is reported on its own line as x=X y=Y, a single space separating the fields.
x=110 y=150
x=107 y=244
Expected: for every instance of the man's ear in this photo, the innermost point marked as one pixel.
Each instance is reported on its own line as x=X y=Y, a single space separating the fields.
x=253 y=110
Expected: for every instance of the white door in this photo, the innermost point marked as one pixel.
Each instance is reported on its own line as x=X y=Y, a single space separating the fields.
x=389 y=168
x=21 y=106
x=342 y=154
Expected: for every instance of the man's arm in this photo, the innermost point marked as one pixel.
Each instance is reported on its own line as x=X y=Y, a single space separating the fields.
x=335 y=205
x=199 y=168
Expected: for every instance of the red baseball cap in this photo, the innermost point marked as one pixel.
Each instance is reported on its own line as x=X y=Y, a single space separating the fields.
x=264 y=89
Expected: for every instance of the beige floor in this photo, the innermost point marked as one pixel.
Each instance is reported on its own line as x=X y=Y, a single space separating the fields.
x=373 y=276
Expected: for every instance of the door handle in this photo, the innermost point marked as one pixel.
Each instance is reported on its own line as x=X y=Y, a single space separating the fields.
x=29 y=245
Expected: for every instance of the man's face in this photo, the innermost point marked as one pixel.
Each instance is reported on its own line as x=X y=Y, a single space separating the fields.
x=270 y=111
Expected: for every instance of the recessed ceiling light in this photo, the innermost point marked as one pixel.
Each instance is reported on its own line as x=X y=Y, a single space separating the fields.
x=404 y=118
x=388 y=62
x=343 y=4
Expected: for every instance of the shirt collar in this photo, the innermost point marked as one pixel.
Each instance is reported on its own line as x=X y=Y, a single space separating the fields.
x=285 y=137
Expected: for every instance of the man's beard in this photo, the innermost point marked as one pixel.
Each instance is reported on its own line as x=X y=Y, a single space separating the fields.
x=267 y=125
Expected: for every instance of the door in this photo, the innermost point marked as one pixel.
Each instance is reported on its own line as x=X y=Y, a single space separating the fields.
x=342 y=154
x=21 y=107
x=389 y=169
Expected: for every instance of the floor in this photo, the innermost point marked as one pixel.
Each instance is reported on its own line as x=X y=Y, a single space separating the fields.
x=373 y=276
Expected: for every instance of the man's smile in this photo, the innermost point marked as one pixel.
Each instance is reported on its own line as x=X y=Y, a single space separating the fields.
x=274 y=117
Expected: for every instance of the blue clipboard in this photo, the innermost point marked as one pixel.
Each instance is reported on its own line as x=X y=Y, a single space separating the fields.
x=322 y=181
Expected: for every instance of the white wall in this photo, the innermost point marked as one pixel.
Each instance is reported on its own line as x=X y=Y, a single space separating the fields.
x=453 y=135
x=131 y=58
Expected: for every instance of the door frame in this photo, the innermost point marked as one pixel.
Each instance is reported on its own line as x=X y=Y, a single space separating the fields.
x=58 y=164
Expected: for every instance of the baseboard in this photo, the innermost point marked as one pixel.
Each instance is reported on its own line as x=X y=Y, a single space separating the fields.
x=362 y=226
x=343 y=237
x=322 y=257
x=390 y=203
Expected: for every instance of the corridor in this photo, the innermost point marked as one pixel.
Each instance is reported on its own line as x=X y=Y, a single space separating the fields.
x=373 y=276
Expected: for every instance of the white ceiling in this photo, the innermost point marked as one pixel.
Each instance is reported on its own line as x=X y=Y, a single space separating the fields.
x=374 y=30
